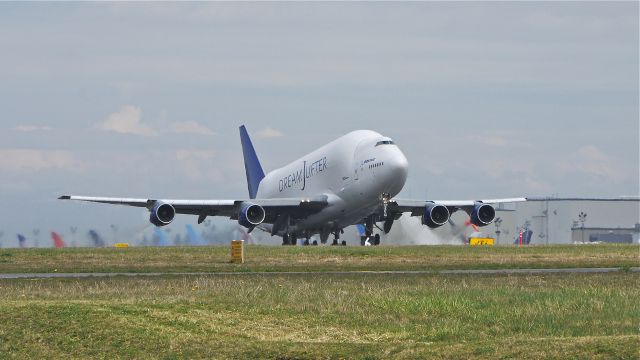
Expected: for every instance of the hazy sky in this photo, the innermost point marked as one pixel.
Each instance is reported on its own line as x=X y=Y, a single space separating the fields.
x=145 y=99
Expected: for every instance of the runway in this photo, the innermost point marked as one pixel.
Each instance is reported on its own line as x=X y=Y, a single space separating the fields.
x=301 y=273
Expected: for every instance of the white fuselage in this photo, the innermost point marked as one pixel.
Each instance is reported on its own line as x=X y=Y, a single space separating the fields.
x=353 y=172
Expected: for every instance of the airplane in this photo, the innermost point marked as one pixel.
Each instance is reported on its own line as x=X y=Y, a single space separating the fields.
x=98 y=241
x=22 y=240
x=58 y=241
x=526 y=237
x=351 y=180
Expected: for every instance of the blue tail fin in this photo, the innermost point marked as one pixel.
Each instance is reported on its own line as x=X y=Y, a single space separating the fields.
x=251 y=163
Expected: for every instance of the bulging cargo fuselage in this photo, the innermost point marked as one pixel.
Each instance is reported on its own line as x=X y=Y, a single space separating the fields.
x=353 y=172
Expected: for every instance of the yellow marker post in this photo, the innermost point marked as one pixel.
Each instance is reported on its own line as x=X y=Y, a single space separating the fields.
x=481 y=241
x=237 y=251
x=121 y=245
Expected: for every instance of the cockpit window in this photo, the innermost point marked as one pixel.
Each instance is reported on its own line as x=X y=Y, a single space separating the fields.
x=385 y=142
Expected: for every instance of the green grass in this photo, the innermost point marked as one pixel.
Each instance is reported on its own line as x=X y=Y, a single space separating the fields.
x=323 y=316
x=315 y=258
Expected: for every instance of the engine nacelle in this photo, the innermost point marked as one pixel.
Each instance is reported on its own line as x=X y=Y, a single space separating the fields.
x=435 y=215
x=162 y=214
x=250 y=215
x=482 y=214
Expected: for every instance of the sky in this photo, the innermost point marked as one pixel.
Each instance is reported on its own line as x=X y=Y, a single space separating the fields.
x=486 y=99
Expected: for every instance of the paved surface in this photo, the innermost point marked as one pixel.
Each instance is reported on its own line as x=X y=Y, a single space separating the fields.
x=295 y=273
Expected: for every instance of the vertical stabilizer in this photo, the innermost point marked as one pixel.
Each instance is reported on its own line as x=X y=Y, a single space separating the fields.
x=58 y=241
x=251 y=163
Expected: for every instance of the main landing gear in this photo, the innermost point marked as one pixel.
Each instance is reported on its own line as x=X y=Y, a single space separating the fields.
x=369 y=238
x=292 y=239
x=307 y=241
x=289 y=239
x=336 y=238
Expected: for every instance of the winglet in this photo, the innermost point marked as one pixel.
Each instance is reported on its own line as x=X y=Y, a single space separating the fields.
x=252 y=166
x=64 y=197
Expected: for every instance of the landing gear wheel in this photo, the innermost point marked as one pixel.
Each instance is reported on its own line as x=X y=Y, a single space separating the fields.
x=293 y=240
x=285 y=239
x=376 y=239
x=306 y=242
x=336 y=237
x=315 y=242
x=344 y=243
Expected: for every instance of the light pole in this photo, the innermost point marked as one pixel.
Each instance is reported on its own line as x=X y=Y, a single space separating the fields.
x=73 y=230
x=582 y=217
x=36 y=235
x=498 y=222
x=114 y=228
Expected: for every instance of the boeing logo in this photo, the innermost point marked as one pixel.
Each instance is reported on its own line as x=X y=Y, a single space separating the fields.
x=299 y=177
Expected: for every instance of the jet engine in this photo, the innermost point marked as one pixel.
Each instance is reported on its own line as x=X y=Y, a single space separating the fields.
x=435 y=215
x=162 y=214
x=482 y=214
x=250 y=215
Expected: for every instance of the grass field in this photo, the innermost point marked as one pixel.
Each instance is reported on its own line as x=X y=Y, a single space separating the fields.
x=322 y=316
x=312 y=258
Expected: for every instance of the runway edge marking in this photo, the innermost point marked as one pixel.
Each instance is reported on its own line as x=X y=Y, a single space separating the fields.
x=300 y=273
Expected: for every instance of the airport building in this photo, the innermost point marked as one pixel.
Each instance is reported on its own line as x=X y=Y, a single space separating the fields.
x=568 y=220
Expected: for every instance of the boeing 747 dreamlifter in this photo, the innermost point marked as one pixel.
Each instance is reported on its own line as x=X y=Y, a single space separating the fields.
x=351 y=180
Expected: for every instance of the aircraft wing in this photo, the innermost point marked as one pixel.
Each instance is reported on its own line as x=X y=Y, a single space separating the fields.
x=416 y=207
x=297 y=208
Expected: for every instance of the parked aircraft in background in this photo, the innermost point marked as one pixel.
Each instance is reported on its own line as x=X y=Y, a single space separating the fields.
x=22 y=241
x=351 y=180
x=526 y=237
x=58 y=242
x=98 y=241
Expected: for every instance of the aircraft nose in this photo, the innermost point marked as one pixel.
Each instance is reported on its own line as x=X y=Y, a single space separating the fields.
x=400 y=165
x=398 y=169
